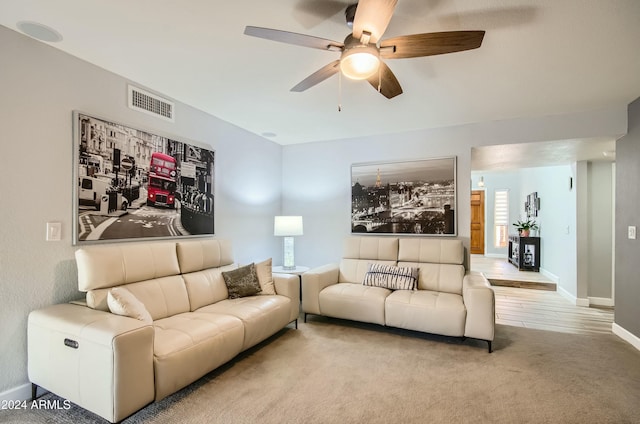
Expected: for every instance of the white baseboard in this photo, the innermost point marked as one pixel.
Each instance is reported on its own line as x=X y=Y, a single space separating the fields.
x=566 y=294
x=601 y=301
x=581 y=301
x=550 y=275
x=626 y=335
x=20 y=393
x=578 y=301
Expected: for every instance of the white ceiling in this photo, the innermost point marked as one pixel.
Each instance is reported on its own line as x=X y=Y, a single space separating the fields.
x=544 y=153
x=539 y=57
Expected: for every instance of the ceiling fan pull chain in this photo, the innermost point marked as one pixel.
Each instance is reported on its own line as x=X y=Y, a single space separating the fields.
x=379 y=80
x=340 y=92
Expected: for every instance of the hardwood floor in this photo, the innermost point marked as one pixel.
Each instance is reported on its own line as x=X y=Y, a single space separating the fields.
x=547 y=310
x=540 y=309
x=501 y=269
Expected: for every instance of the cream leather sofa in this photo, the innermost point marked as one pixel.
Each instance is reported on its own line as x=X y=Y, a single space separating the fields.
x=448 y=301
x=114 y=365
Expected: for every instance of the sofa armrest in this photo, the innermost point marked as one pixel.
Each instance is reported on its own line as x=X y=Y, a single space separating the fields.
x=313 y=282
x=479 y=299
x=289 y=285
x=100 y=361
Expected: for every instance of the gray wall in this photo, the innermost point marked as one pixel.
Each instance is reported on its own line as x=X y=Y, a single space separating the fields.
x=600 y=233
x=558 y=221
x=316 y=176
x=627 y=295
x=40 y=88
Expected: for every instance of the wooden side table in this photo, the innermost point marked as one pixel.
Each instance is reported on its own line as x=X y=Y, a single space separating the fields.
x=298 y=270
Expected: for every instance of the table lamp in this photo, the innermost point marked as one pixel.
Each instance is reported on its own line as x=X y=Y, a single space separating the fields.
x=287 y=227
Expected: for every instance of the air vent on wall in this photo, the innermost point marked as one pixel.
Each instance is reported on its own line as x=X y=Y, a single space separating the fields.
x=146 y=102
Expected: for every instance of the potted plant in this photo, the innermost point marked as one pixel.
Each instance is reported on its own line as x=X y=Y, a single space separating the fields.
x=524 y=227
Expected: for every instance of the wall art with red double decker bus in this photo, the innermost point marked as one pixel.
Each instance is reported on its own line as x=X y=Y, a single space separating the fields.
x=131 y=183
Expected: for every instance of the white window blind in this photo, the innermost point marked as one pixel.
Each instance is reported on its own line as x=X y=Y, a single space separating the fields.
x=501 y=217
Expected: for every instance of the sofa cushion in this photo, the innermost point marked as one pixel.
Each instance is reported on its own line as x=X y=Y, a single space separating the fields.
x=354 y=302
x=242 y=281
x=122 y=302
x=358 y=252
x=427 y=311
x=115 y=265
x=182 y=331
x=377 y=248
x=162 y=297
x=438 y=277
x=262 y=316
x=189 y=345
x=265 y=277
x=391 y=277
x=196 y=255
x=431 y=251
x=354 y=270
x=207 y=286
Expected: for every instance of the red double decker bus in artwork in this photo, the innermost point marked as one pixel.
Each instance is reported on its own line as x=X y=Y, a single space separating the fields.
x=161 y=187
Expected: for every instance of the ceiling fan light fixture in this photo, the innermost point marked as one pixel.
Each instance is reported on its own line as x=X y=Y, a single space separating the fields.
x=359 y=62
x=362 y=48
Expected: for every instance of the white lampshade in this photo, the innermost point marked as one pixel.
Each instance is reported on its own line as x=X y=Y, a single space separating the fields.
x=287 y=226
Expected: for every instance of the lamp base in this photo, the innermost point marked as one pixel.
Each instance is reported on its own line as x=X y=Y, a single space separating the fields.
x=288 y=260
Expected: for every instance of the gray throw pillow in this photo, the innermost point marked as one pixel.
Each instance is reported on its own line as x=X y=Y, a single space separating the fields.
x=242 y=281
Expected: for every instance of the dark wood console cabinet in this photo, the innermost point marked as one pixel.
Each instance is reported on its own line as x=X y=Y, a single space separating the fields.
x=524 y=252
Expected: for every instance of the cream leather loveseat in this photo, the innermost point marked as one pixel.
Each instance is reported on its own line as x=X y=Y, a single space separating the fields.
x=447 y=300
x=114 y=365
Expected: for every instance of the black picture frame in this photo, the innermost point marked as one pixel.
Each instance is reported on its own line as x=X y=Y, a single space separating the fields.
x=415 y=197
x=532 y=205
x=133 y=184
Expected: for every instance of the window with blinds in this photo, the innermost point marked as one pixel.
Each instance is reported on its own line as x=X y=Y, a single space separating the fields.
x=501 y=218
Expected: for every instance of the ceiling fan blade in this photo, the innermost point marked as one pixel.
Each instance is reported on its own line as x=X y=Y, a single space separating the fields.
x=294 y=38
x=311 y=13
x=318 y=76
x=385 y=82
x=429 y=44
x=373 y=16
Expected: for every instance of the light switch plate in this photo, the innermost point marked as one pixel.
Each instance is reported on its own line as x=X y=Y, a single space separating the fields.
x=54 y=231
x=631 y=230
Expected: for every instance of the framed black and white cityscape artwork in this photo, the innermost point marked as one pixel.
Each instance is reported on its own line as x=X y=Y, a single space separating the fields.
x=407 y=197
x=134 y=184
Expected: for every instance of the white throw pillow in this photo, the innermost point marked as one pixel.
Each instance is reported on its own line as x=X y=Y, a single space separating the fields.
x=122 y=302
x=265 y=277
x=391 y=277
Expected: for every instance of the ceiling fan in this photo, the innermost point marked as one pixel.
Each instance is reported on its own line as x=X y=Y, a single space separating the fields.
x=362 y=51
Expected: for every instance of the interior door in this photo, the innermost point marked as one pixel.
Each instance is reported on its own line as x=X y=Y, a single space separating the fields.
x=477 y=222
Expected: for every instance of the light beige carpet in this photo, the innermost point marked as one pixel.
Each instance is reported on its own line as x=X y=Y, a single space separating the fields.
x=333 y=371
